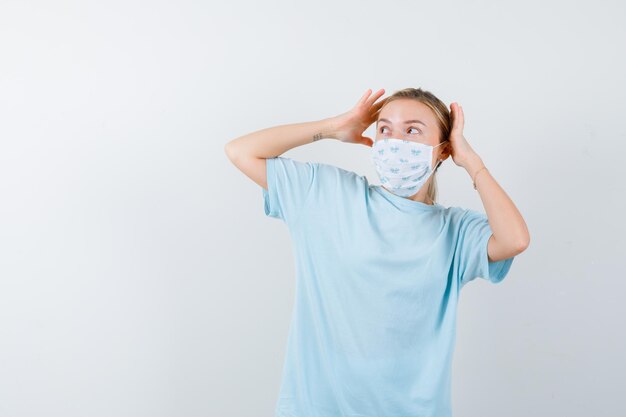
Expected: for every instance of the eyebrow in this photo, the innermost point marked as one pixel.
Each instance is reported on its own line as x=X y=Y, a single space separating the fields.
x=406 y=121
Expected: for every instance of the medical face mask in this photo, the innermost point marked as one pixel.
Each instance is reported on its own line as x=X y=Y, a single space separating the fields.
x=403 y=166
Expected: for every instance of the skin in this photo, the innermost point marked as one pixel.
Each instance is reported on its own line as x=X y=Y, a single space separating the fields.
x=510 y=233
x=393 y=125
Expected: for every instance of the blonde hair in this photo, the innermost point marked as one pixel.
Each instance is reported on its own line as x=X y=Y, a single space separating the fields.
x=443 y=118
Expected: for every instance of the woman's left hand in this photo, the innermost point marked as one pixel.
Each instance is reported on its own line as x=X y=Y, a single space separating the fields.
x=461 y=152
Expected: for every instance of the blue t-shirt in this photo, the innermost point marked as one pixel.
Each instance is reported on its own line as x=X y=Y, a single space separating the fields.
x=377 y=283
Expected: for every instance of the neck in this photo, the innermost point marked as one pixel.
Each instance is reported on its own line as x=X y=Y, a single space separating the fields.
x=422 y=196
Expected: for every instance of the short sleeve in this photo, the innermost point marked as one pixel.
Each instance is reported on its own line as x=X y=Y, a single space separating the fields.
x=471 y=252
x=289 y=184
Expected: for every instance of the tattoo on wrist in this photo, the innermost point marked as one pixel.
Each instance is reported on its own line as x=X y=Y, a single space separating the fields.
x=317 y=136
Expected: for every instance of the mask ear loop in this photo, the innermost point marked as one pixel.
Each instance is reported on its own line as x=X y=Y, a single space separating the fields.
x=441 y=160
x=438 y=163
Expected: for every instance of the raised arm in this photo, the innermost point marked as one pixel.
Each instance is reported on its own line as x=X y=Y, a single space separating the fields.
x=510 y=233
x=248 y=152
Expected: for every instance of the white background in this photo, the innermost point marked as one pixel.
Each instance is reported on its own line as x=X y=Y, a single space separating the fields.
x=139 y=275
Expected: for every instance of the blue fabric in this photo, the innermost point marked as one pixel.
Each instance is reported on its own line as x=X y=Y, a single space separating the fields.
x=377 y=283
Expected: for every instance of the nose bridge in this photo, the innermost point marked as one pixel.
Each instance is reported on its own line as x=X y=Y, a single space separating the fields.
x=393 y=132
x=397 y=131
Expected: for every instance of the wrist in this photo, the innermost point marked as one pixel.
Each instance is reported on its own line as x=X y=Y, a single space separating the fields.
x=472 y=164
x=474 y=167
x=329 y=128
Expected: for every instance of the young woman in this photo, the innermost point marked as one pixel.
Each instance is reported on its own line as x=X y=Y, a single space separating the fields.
x=379 y=267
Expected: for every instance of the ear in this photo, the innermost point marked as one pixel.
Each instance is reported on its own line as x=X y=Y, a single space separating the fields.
x=446 y=151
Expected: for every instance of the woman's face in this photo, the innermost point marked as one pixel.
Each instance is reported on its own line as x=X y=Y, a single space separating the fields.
x=409 y=120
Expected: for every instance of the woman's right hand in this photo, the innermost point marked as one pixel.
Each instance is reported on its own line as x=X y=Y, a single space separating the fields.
x=349 y=126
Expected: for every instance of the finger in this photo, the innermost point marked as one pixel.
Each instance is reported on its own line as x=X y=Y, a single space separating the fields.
x=452 y=116
x=375 y=97
x=374 y=112
x=455 y=116
x=461 y=118
x=374 y=117
x=364 y=97
x=457 y=125
x=366 y=141
x=380 y=104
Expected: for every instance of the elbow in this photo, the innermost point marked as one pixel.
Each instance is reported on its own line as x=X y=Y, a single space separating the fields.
x=228 y=147
x=516 y=246
x=236 y=150
x=523 y=243
x=229 y=150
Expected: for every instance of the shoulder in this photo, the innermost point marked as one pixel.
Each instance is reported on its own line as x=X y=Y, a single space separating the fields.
x=315 y=176
x=460 y=216
x=340 y=174
x=311 y=166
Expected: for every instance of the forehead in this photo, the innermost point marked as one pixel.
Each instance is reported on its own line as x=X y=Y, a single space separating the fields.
x=400 y=110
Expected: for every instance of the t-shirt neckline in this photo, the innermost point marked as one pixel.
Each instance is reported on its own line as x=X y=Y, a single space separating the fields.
x=403 y=201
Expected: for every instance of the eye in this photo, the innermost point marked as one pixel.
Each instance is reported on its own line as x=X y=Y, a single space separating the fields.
x=412 y=127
